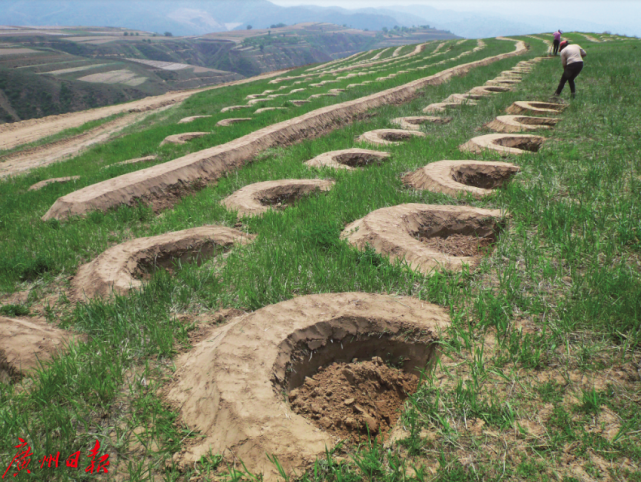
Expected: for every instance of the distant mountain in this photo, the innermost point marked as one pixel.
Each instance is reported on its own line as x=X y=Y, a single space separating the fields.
x=474 y=24
x=186 y=17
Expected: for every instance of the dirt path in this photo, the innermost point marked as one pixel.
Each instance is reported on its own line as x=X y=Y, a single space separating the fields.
x=19 y=133
x=40 y=156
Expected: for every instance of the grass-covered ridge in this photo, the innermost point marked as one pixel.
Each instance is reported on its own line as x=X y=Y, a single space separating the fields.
x=538 y=377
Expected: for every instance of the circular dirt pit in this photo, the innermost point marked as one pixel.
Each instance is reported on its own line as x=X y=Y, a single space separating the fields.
x=348 y=159
x=443 y=106
x=519 y=123
x=386 y=137
x=58 y=180
x=236 y=120
x=187 y=120
x=24 y=344
x=414 y=123
x=427 y=237
x=138 y=160
x=504 y=144
x=500 y=82
x=462 y=99
x=268 y=109
x=258 y=198
x=234 y=107
x=298 y=103
x=453 y=177
x=546 y=108
x=489 y=90
x=234 y=386
x=123 y=267
x=183 y=138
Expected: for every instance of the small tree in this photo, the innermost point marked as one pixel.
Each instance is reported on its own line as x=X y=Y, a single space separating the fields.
x=385 y=29
x=169 y=34
x=126 y=33
x=249 y=27
x=137 y=34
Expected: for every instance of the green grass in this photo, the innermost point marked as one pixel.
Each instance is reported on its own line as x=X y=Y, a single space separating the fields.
x=543 y=349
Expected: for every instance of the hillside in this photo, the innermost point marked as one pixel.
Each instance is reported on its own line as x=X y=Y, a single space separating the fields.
x=410 y=264
x=58 y=70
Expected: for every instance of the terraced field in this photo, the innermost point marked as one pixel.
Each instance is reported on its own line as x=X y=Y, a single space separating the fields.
x=409 y=264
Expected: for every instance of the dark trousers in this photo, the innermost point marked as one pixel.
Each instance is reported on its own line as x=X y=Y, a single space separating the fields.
x=570 y=73
x=556 y=46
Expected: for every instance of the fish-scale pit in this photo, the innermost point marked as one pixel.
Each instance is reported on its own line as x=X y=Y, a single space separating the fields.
x=411 y=232
x=25 y=344
x=504 y=144
x=388 y=136
x=235 y=120
x=182 y=138
x=524 y=107
x=258 y=198
x=414 y=123
x=123 y=267
x=518 y=123
x=348 y=159
x=57 y=180
x=233 y=387
x=478 y=178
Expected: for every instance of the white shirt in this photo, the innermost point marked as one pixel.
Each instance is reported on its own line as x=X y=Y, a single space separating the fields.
x=572 y=54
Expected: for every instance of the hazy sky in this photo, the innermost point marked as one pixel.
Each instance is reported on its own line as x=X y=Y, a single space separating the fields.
x=601 y=11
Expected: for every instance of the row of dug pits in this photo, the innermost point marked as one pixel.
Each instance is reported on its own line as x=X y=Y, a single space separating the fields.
x=292 y=379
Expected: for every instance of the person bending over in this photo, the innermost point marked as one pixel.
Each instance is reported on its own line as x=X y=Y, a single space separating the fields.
x=572 y=60
x=557 y=42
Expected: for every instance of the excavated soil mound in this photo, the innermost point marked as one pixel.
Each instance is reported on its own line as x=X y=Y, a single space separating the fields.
x=298 y=103
x=187 y=120
x=518 y=123
x=230 y=386
x=234 y=107
x=228 y=122
x=500 y=82
x=386 y=137
x=396 y=232
x=120 y=268
x=182 y=138
x=133 y=161
x=462 y=99
x=39 y=185
x=453 y=177
x=414 y=123
x=348 y=158
x=268 y=109
x=260 y=197
x=488 y=90
x=354 y=400
x=25 y=342
x=442 y=106
x=504 y=144
x=522 y=107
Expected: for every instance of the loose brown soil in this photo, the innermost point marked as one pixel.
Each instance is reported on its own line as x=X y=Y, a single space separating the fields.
x=504 y=144
x=26 y=343
x=459 y=245
x=354 y=400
